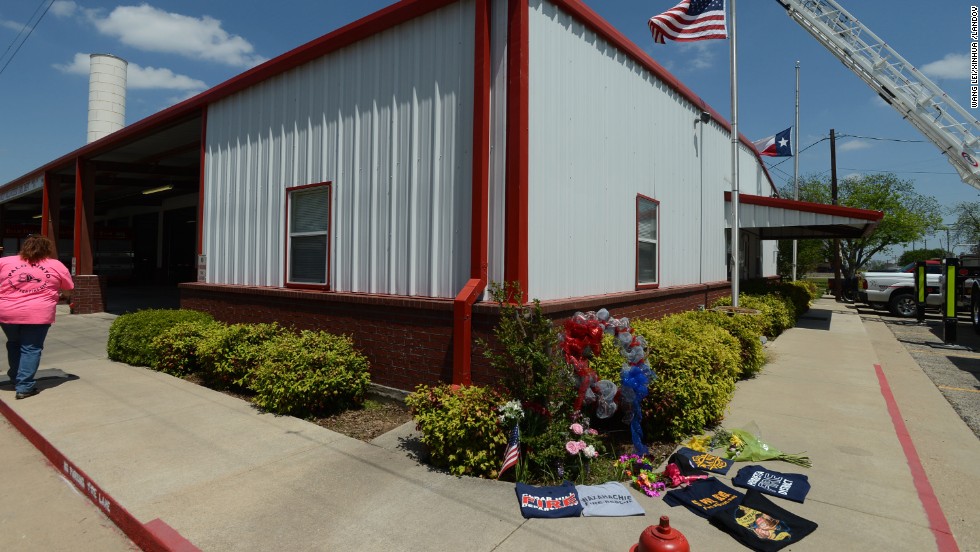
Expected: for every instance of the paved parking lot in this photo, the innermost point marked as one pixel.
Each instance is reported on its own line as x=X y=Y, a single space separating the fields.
x=955 y=369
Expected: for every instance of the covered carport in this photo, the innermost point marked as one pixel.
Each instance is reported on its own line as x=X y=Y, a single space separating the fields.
x=773 y=218
x=123 y=212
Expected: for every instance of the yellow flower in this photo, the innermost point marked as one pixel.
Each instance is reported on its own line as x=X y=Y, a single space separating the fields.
x=699 y=444
x=736 y=442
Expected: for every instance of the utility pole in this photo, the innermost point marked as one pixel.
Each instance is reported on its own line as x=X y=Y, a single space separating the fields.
x=833 y=196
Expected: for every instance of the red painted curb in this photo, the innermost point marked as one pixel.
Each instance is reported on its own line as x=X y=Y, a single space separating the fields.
x=945 y=542
x=155 y=536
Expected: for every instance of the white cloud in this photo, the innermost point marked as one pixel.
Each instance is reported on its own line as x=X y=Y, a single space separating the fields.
x=78 y=66
x=953 y=66
x=161 y=78
x=140 y=78
x=853 y=145
x=63 y=8
x=703 y=56
x=12 y=25
x=154 y=30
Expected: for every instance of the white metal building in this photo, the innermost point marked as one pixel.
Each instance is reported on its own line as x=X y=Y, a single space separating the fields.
x=376 y=179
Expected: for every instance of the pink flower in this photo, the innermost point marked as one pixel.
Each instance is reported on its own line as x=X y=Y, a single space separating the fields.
x=593 y=432
x=577 y=429
x=575 y=447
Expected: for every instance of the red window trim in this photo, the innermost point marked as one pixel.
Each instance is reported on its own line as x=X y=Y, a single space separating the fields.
x=636 y=275
x=289 y=191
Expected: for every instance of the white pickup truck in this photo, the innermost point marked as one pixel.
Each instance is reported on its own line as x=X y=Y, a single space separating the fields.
x=896 y=290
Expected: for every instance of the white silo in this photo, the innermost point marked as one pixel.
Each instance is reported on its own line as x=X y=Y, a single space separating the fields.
x=106 y=95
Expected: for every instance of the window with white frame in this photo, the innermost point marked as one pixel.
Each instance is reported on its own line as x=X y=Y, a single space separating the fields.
x=647 y=242
x=308 y=247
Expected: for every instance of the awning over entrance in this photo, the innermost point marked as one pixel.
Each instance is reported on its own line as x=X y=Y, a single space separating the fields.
x=774 y=218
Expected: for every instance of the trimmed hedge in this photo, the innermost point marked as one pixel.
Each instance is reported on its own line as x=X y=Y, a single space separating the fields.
x=311 y=373
x=696 y=364
x=131 y=335
x=609 y=364
x=777 y=311
x=228 y=355
x=176 y=348
x=459 y=426
x=747 y=329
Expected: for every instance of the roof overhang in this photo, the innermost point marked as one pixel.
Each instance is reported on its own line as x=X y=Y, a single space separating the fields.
x=774 y=218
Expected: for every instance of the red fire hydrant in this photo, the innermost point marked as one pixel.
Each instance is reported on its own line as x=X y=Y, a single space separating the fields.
x=661 y=538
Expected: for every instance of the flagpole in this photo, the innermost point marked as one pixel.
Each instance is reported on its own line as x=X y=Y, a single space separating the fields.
x=796 y=157
x=733 y=50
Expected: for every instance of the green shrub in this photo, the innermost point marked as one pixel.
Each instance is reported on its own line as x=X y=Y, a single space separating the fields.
x=459 y=426
x=776 y=311
x=228 y=355
x=696 y=364
x=131 y=334
x=811 y=288
x=747 y=329
x=311 y=373
x=609 y=364
x=176 y=348
x=797 y=293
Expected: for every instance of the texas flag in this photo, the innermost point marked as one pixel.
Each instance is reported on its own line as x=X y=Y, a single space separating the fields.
x=776 y=146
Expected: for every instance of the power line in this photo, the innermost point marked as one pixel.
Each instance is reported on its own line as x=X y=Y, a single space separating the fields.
x=28 y=35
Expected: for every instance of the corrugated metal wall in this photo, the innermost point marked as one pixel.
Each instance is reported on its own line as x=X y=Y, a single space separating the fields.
x=498 y=138
x=388 y=121
x=602 y=130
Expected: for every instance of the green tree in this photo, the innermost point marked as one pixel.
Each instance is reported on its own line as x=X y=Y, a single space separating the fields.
x=916 y=255
x=966 y=229
x=908 y=215
x=809 y=254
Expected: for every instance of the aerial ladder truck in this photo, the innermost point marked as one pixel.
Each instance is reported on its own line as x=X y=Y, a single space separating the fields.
x=937 y=116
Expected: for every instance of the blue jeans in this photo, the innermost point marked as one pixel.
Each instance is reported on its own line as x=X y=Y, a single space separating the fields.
x=24 y=345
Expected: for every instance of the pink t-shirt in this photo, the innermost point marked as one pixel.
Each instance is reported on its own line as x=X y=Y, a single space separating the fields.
x=29 y=292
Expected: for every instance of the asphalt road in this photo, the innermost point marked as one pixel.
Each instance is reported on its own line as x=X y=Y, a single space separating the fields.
x=954 y=367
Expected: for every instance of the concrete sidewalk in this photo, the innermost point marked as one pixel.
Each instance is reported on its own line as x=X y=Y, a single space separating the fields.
x=176 y=461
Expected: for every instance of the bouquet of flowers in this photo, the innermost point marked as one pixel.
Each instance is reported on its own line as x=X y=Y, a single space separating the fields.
x=641 y=474
x=746 y=447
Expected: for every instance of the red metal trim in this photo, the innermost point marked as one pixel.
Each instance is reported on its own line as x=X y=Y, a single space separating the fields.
x=285 y=248
x=808 y=207
x=516 y=193
x=79 y=205
x=636 y=264
x=601 y=27
x=45 y=207
x=479 y=244
x=367 y=26
x=200 y=183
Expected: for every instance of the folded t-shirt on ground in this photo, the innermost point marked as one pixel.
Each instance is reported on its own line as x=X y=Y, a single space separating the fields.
x=548 y=502
x=704 y=497
x=791 y=486
x=693 y=462
x=761 y=525
x=609 y=500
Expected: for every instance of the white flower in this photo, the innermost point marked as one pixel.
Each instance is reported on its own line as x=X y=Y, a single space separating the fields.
x=590 y=452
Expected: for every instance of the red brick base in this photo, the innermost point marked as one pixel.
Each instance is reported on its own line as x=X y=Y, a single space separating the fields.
x=89 y=294
x=409 y=340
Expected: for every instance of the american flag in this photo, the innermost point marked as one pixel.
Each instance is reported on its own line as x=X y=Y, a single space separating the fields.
x=689 y=21
x=513 y=452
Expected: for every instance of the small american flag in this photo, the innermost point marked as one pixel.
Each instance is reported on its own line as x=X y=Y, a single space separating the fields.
x=513 y=452
x=689 y=21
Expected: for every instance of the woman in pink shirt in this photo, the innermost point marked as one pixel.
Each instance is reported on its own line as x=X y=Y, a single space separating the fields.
x=30 y=286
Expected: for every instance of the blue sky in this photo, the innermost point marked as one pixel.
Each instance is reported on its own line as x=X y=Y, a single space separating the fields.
x=177 y=48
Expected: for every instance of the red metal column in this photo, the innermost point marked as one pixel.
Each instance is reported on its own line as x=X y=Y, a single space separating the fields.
x=516 y=238
x=463 y=304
